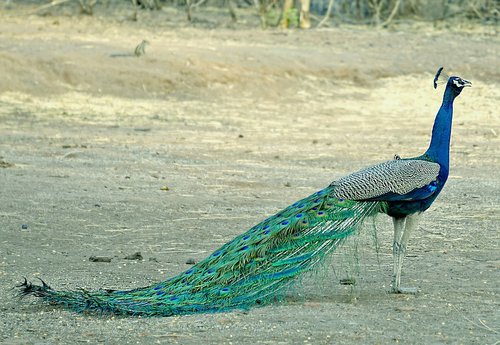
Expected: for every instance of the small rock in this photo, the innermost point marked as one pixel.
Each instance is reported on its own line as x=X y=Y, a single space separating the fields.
x=240 y=135
x=165 y=188
x=312 y=304
x=135 y=256
x=404 y=309
x=288 y=184
x=190 y=261
x=24 y=226
x=71 y=155
x=153 y=259
x=348 y=281
x=100 y=259
x=4 y=164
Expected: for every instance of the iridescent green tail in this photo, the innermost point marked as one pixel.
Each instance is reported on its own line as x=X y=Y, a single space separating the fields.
x=249 y=270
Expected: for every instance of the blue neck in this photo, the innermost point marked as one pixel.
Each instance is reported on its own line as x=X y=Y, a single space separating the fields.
x=439 y=148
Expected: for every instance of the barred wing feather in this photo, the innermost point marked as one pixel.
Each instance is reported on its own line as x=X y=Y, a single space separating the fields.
x=399 y=176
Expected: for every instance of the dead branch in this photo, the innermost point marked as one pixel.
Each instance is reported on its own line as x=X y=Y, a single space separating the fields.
x=475 y=10
x=327 y=14
x=52 y=4
x=376 y=6
x=190 y=7
x=261 y=10
x=87 y=6
x=232 y=11
x=393 y=13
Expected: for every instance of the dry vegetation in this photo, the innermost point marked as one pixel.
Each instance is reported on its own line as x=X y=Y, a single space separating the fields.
x=380 y=13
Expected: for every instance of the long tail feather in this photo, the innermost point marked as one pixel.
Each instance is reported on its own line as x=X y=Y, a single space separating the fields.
x=249 y=270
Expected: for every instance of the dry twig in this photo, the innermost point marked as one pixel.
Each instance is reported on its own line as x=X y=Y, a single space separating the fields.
x=393 y=13
x=327 y=14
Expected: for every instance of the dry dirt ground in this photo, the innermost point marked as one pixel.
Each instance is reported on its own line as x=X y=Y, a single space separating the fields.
x=237 y=123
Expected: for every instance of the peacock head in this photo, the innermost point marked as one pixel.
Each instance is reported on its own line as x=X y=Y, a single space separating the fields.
x=457 y=84
x=453 y=83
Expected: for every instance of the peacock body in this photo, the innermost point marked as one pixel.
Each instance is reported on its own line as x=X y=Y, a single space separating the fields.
x=252 y=268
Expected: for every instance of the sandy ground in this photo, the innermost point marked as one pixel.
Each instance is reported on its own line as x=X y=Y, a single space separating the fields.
x=238 y=123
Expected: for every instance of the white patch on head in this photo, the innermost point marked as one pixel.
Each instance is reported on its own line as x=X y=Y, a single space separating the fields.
x=458 y=83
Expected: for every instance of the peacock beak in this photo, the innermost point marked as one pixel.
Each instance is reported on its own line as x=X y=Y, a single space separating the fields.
x=467 y=83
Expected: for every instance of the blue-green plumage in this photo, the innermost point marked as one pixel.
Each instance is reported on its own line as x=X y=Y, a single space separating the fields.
x=252 y=268
x=247 y=271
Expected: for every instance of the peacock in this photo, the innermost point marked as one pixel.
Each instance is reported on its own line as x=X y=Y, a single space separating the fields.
x=254 y=267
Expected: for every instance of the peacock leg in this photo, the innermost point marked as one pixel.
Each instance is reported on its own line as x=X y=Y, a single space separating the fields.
x=399 y=225
x=403 y=227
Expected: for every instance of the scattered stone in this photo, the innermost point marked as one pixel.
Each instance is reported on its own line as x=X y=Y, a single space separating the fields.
x=313 y=304
x=288 y=184
x=404 y=309
x=4 y=164
x=74 y=146
x=71 y=155
x=165 y=188
x=348 y=281
x=240 y=136
x=153 y=259
x=190 y=261
x=24 y=226
x=135 y=256
x=100 y=259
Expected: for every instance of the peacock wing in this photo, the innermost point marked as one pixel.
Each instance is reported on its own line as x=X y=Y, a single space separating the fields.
x=395 y=179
